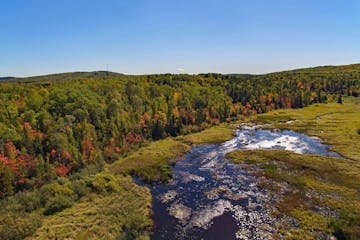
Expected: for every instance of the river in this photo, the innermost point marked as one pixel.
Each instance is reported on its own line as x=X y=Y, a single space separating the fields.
x=211 y=198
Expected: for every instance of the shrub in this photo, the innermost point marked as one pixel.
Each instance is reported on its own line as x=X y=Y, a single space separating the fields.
x=104 y=182
x=30 y=201
x=80 y=188
x=161 y=172
x=56 y=197
x=52 y=190
x=135 y=227
x=57 y=204
x=90 y=170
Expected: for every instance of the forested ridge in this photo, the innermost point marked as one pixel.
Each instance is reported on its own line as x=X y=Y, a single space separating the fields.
x=58 y=132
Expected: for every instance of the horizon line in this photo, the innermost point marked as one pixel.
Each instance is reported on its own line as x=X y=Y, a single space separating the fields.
x=179 y=73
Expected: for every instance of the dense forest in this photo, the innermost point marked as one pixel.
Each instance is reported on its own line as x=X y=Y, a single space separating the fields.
x=54 y=126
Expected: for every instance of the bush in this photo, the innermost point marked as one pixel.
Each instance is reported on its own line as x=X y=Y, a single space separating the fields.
x=80 y=188
x=135 y=227
x=103 y=182
x=57 y=204
x=56 y=197
x=52 y=190
x=156 y=173
x=90 y=170
x=358 y=131
x=30 y=201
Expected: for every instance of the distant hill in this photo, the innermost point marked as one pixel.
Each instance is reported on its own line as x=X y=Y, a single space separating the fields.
x=344 y=69
x=325 y=69
x=67 y=76
x=310 y=70
x=6 y=78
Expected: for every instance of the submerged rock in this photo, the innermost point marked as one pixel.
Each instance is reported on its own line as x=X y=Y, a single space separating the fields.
x=203 y=218
x=211 y=164
x=180 y=212
x=214 y=193
x=188 y=177
x=168 y=196
x=235 y=196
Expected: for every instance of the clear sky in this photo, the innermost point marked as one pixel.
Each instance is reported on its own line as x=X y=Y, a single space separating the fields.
x=157 y=36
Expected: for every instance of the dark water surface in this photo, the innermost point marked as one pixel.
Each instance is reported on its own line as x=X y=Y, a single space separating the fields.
x=210 y=198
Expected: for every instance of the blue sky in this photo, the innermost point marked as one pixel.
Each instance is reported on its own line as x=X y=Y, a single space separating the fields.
x=157 y=36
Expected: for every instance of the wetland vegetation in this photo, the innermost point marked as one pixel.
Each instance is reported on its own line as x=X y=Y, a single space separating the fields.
x=316 y=181
x=69 y=146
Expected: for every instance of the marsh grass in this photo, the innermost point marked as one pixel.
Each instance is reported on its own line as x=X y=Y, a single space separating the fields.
x=311 y=224
x=336 y=124
x=99 y=206
x=152 y=163
x=212 y=135
x=123 y=213
x=336 y=180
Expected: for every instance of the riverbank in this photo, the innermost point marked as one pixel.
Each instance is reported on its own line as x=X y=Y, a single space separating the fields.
x=152 y=163
x=336 y=124
x=323 y=192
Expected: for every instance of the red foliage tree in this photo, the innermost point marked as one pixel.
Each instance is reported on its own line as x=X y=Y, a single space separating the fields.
x=62 y=170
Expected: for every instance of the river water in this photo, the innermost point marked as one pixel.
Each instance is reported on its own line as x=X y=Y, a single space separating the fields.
x=210 y=198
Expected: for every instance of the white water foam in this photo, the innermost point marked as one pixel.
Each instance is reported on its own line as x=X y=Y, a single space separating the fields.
x=285 y=142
